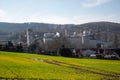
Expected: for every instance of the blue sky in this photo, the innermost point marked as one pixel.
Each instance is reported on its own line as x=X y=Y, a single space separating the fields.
x=59 y=11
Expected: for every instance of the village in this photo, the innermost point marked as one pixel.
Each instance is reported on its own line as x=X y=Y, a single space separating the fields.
x=85 y=43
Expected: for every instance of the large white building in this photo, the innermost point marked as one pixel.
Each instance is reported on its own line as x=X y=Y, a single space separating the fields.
x=86 y=40
x=83 y=40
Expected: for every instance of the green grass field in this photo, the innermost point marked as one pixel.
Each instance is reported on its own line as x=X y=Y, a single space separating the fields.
x=33 y=66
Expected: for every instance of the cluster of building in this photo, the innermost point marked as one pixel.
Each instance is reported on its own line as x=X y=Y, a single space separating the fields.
x=84 y=40
x=84 y=43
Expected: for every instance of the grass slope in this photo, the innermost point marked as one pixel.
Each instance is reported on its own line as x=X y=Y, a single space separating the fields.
x=19 y=65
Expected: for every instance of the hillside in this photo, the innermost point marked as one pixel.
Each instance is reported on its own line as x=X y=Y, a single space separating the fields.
x=33 y=66
x=103 y=25
x=45 y=27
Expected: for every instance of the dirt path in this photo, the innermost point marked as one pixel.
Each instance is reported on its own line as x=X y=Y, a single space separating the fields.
x=114 y=75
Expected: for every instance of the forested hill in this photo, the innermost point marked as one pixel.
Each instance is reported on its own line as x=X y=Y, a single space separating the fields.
x=18 y=27
x=103 y=25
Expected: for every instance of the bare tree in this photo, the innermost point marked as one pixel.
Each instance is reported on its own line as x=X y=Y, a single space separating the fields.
x=57 y=43
x=36 y=46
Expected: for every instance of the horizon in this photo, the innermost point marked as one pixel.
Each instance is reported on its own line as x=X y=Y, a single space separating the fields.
x=58 y=23
x=59 y=11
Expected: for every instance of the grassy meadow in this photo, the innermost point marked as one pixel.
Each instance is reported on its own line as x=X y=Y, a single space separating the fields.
x=15 y=65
